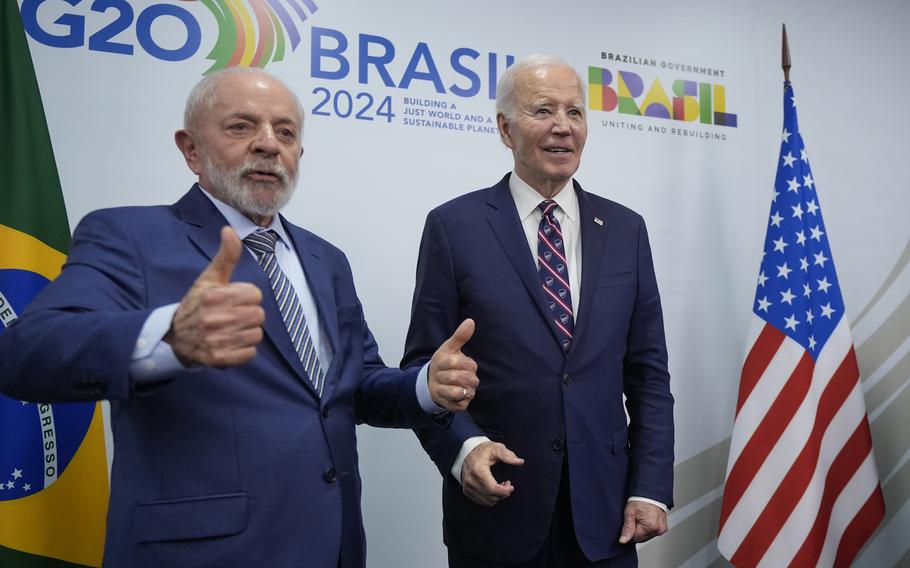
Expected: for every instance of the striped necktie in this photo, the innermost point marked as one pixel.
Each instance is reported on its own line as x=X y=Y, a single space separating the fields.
x=262 y=245
x=554 y=272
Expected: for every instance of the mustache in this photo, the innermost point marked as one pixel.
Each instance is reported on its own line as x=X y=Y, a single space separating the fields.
x=267 y=167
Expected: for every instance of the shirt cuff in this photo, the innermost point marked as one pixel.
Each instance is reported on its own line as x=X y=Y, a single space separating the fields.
x=466 y=449
x=651 y=501
x=423 y=393
x=153 y=359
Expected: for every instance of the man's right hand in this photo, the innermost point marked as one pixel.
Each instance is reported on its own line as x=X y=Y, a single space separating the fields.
x=477 y=480
x=218 y=322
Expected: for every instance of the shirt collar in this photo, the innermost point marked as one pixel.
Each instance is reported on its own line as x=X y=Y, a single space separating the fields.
x=527 y=199
x=242 y=224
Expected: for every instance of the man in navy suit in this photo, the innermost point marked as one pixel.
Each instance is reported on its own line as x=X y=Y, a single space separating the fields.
x=561 y=285
x=236 y=377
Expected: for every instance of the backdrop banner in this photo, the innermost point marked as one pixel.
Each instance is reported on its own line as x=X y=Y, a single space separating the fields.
x=684 y=118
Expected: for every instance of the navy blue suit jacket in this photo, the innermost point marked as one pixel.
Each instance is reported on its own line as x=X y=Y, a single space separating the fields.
x=244 y=466
x=539 y=401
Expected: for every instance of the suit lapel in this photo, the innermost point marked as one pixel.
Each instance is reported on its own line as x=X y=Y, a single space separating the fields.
x=319 y=279
x=503 y=218
x=593 y=239
x=197 y=210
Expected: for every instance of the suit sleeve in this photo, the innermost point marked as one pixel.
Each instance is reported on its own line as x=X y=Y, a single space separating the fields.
x=434 y=317
x=385 y=397
x=646 y=381
x=75 y=340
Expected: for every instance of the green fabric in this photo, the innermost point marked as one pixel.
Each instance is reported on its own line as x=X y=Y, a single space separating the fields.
x=10 y=558
x=31 y=200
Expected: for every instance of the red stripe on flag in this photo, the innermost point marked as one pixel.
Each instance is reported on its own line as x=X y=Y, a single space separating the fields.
x=860 y=529
x=798 y=477
x=843 y=468
x=763 y=350
x=766 y=435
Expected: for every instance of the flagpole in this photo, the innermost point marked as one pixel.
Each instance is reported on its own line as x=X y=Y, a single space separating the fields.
x=785 y=54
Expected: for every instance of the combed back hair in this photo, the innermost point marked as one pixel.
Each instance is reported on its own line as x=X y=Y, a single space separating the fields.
x=506 y=87
x=205 y=94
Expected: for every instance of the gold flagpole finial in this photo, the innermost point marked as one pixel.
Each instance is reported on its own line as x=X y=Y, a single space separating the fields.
x=785 y=54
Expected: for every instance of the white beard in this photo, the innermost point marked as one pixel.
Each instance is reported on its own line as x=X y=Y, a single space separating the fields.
x=252 y=198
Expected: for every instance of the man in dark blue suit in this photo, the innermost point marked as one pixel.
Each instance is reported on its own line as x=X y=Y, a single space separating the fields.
x=235 y=377
x=561 y=285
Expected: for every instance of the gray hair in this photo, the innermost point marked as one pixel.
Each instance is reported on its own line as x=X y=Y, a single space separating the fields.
x=206 y=92
x=506 y=99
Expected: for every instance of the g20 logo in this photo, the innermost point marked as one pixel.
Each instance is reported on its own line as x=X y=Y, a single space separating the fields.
x=69 y=29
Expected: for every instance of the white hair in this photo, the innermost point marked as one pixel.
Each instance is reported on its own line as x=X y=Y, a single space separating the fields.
x=206 y=92
x=506 y=97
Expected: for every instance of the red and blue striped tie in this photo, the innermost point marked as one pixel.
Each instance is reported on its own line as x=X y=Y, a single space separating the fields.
x=553 y=269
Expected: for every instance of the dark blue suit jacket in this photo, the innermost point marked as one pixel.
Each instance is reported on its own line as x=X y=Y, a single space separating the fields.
x=541 y=402
x=237 y=467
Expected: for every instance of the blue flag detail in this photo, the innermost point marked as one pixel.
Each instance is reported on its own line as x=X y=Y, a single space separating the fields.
x=798 y=291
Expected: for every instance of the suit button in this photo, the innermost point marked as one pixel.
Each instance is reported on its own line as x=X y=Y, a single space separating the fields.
x=329 y=475
x=557 y=445
x=566 y=378
x=326 y=412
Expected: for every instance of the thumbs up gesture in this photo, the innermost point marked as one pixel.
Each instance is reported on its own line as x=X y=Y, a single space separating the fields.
x=218 y=323
x=453 y=375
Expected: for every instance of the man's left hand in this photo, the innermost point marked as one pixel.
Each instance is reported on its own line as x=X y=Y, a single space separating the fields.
x=453 y=375
x=642 y=521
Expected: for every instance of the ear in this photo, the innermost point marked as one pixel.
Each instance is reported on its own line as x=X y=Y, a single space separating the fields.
x=505 y=133
x=190 y=150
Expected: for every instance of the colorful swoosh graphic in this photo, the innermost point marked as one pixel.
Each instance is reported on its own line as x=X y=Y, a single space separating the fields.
x=251 y=33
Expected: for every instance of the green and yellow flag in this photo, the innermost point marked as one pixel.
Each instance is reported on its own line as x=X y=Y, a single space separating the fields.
x=53 y=471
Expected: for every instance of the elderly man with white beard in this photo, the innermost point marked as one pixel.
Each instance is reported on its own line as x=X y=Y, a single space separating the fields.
x=234 y=352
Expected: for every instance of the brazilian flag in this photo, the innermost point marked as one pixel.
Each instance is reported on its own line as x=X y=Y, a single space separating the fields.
x=53 y=470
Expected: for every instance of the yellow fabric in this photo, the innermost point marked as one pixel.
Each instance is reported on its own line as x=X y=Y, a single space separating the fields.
x=25 y=252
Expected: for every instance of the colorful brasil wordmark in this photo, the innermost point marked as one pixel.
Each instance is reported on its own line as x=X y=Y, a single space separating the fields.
x=692 y=100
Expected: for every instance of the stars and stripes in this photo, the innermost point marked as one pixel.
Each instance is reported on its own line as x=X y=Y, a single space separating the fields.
x=262 y=245
x=554 y=272
x=801 y=487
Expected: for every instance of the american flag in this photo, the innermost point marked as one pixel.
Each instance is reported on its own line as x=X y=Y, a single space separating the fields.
x=802 y=487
